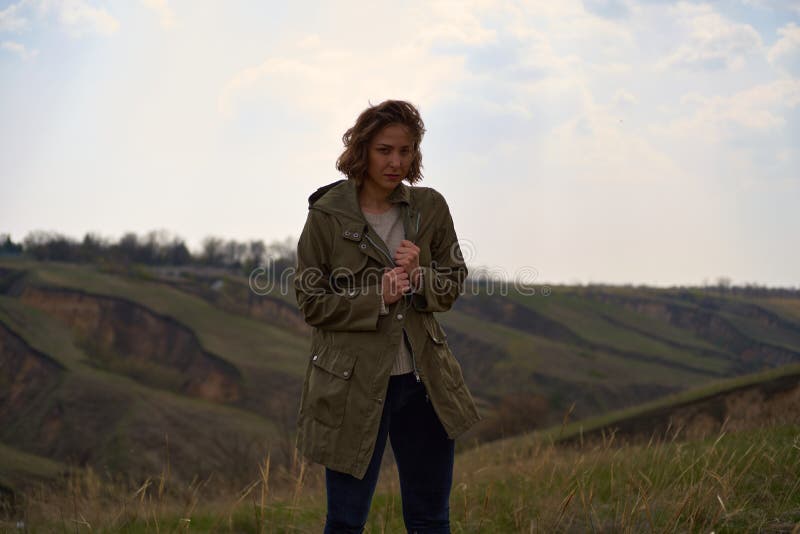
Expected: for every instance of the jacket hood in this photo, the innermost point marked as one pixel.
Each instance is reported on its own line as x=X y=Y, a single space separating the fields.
x=341 y=198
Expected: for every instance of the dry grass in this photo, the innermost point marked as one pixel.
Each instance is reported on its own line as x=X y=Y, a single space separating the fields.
x=739 y=482
x=731 y=482
x=84 y=502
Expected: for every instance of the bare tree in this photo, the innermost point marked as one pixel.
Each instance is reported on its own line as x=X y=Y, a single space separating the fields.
x=213 y=251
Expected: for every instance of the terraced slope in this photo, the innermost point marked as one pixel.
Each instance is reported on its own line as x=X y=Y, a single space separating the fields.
x=764 y=400
x=104 y=367
x=126 y=385
x=610 y=348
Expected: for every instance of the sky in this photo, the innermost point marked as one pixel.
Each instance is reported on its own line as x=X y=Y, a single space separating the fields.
x=616 y=141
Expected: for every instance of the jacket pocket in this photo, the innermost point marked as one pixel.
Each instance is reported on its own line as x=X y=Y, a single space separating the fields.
x=329 y=384
x=444 y=361
x=350 y=272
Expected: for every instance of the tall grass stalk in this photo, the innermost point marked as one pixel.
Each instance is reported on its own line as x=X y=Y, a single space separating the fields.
x=729 y=482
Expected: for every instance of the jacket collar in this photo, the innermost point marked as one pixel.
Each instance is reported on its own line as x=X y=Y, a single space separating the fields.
x=341 y=198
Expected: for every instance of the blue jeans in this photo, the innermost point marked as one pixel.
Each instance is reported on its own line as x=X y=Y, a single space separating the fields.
x=424 y=456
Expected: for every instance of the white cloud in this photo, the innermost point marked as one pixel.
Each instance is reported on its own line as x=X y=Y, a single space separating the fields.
x=570 y=22
x=165 y=14
x=309 y=41
x=775 y=5
x=450 y=23
x=714 y=41
x=786 y=52
x=612 y=68
x=608 y=150
x=77 y=17
x=758 y=109
x=323 y=80
x=327 y=75
x=608 y=8
x=19 y=49
x=11 y=19
x=625 y=99
x=80 y=18
x=480 y=51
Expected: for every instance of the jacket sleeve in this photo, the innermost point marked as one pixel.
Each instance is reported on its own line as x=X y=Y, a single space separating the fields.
x=442 y=281
x=321 y=306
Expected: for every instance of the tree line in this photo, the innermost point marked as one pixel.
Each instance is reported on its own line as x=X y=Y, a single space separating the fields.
x=160 y=247
x=157 y=247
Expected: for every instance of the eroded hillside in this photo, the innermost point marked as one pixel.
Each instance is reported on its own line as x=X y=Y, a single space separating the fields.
x=125 y=337
x=107 y=367
x=763 y=400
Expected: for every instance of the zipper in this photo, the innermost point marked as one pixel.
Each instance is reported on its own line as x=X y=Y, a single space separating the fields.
x=388 y=256
x=383 y=251
x=405 y=337
x=413 y=359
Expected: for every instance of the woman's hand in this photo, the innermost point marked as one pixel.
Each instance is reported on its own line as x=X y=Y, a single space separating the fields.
x=407 y=257
x=393 y=284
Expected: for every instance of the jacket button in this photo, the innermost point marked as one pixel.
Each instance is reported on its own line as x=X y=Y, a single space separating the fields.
x=355 y=235
x=347 y=233
x=346 y=373
x=363 y=245
x=399 y=316
x=315 y=357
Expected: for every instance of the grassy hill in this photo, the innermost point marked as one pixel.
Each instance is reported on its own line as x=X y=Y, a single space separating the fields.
x=737 y=476
x=112 y=372
x=120 y=369
x=599 y=349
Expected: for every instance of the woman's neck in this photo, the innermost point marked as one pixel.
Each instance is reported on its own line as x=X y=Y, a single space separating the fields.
x=373 y=200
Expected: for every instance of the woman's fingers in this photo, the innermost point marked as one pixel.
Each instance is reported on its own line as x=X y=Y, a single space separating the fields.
x=399 y=272
x=410 y=252
x=409 y=244
x=407 y=247
x=395 y=283
x=407 y=256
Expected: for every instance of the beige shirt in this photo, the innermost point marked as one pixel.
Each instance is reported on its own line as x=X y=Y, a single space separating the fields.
x=389 y=227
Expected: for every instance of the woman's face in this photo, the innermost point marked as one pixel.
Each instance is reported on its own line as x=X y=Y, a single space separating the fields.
x=390 y=156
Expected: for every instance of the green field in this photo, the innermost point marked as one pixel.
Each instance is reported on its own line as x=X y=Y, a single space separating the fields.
x=743 y=481
x=116 y=370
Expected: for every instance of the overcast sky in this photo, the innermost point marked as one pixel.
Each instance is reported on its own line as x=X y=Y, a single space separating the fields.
x=598 y=141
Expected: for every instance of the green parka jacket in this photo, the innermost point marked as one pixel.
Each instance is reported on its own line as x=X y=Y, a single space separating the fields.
x=340 y=261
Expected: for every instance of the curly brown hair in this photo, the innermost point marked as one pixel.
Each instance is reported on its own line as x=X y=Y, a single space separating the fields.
x=354 y=161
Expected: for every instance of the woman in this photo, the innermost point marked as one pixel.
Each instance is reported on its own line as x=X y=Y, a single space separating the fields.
x=375 y=259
